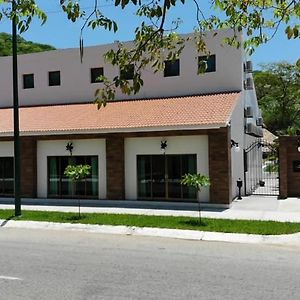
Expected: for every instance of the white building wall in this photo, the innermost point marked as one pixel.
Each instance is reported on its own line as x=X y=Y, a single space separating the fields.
x=75 y=76
x=176 y=145
x=6 y=149
x=250 y=101
x=254 y=156
x=237 y=134
x=58 y=148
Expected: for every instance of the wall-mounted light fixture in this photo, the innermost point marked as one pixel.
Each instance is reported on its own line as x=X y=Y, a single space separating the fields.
x=259 y=144
x=235 y=145
x=163 y=146
x=70 y=147
x=298 y=145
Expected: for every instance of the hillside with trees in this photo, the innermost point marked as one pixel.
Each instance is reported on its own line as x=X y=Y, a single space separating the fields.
x=278 y=92
x=24 y=46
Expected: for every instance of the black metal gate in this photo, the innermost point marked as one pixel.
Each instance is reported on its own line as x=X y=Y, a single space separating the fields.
x=261 y=165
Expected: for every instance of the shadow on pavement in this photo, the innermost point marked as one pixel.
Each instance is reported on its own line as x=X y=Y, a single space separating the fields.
x=5 y=221
x=159 y=205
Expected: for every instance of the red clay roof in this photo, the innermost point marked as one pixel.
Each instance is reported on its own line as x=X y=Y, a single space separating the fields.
x=203 y=111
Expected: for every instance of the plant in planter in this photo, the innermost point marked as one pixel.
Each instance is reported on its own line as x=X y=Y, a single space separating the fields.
x=77 y=173
x=197 y=181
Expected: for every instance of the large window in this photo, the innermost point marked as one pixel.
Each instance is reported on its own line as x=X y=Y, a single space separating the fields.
x=172 y=68
x=28 y=81
x=96 y=74
x=54 y=78
x=210 y=62
x=6 y=176
x=62 y=187
x=159 y=176
x=127 y=73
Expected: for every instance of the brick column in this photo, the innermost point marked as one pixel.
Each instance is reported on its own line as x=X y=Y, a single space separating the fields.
x=220 y=166
x=289 y=178
x=115 y=168
x=28 y=167
x=283 y=163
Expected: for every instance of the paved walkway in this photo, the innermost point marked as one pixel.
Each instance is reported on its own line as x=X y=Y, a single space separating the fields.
x=249 y=208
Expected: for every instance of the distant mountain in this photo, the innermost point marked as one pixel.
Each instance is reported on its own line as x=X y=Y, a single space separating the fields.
x=23 y=45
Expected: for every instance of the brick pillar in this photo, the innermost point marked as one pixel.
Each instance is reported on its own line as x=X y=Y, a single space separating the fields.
x=220 y=166
x=283 y=163
x=28 y=167
x=115 y=172
x=289 y=174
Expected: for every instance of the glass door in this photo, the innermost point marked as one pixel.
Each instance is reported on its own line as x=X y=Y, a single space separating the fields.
x=59 y=185
x=159 y=176
x=174 y=175
x=6 y=176
x=144 y=176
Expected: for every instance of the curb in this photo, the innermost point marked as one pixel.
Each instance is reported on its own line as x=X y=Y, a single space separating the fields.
x=291 y=239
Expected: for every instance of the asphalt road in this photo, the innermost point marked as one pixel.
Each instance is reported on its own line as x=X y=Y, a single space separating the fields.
x=41 y=264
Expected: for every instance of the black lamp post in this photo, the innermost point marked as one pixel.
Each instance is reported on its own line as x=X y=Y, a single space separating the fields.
x=17 y=169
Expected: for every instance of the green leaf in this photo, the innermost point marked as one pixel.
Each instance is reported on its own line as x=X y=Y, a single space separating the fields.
x=195 y=180
x=124 y=3
x=202 y=67
x=296 y=32
x=77 y=172
x=289 y=32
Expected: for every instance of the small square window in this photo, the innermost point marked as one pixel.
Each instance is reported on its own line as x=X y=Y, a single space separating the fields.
x=127 y=73
x=172 y=68
x=54 y=78
x=28 y=81
x=95 y=75
x=210 y=61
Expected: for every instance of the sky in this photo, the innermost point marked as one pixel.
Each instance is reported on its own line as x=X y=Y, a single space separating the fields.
x=62 y=33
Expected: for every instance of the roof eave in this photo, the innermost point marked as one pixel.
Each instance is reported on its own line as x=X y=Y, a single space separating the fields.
x=117 y=130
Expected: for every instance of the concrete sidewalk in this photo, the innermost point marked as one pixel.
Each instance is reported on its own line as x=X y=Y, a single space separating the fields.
x=249 y=208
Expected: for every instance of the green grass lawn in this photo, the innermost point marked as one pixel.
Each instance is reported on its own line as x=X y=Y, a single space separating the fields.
x=207 y=224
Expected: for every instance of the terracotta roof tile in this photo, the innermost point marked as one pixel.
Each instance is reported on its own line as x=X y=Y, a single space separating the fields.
x=180 y=112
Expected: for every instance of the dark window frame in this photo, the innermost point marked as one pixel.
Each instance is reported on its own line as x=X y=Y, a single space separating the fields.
x=128 y=72
x=52 y=79
x=172 y=68
x=166 y=179
x=63 y=178
x=96 y=73
x=28 y=81
x=4 y=179
x=211 y=62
